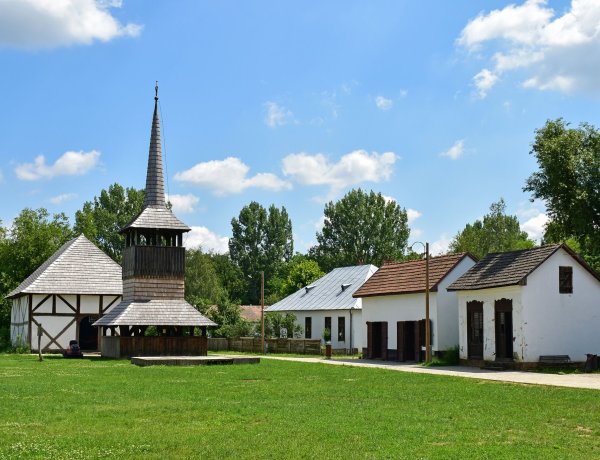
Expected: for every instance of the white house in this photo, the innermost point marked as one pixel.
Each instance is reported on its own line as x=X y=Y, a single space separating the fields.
x=78 y=284
x=520 y=305
x=328 y=303
x=393 y=308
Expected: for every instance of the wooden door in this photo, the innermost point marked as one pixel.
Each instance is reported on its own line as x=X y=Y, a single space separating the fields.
x=475 y=329
x=400 y=339
x=417 y=329
x=369 y=340
x=384 y=340
x=504 y=329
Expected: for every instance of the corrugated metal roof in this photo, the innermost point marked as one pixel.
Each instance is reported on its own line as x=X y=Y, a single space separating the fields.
x=409 y=277
x=326 y=293
x=78 y=267
x=155 y=312
x=510 y=268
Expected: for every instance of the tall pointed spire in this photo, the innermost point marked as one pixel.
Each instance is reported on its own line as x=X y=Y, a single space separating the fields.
x=155 y=185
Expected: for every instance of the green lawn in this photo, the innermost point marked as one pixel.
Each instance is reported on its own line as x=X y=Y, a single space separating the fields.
x=112 y=409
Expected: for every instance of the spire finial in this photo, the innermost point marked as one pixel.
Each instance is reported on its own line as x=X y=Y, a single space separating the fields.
x=156 y=91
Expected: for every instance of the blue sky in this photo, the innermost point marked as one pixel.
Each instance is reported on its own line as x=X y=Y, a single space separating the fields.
x=432 y=103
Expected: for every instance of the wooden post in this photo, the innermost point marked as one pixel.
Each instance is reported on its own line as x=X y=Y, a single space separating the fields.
x=427 y=326
x=40 y=330
x=262 y=310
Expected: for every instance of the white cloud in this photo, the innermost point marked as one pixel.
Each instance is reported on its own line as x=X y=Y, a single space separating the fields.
x=1 y=176
x=58 y=199
x=557 y=52
x=535 y=226
x=183 y=204
x=413 y=215
x=383 y=104
x=34 y=24
x=320 y=223
x=68 y=164
x=440 y=246
x=403 y=93
x=229 y=176
x=353 y=168
x=207 y=240
x=456 y=151
x=277 y=115
x=484 y=81
x=416 y=232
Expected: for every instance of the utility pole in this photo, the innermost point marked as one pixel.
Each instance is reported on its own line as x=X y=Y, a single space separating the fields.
x=262 y=309
x=427 y=325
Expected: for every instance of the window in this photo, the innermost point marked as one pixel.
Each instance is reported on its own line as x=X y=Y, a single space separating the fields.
x=341 y=329
x=308 y=327
x=328 y=323
x=565 y=280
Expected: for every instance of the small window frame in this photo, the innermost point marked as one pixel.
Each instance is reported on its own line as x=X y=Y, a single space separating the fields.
x=565 y=280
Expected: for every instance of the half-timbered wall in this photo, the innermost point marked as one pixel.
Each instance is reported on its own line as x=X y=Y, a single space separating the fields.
x=59 y=317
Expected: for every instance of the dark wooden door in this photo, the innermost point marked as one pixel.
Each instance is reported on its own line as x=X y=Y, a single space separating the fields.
x=504 y=329
x=417 y=341
x=88 y=334
x=400 y=340
x=369 y=340
x=384 y=339
x=475 y=329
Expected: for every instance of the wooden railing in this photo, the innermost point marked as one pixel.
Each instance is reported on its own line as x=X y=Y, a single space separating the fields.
x=125 y=347
x=253 y=345
x=154 y=261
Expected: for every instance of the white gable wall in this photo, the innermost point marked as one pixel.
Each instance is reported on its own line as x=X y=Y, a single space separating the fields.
x=318 y=325
x=561 y=324
x=394 y=308
x=489 y=297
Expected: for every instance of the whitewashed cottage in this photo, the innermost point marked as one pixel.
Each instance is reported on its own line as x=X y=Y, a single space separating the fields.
x=521 y=307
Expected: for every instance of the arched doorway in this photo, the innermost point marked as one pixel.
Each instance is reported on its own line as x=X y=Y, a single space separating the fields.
x=88 y=334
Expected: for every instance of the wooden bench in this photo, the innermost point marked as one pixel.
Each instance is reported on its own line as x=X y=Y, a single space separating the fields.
x=555 y=359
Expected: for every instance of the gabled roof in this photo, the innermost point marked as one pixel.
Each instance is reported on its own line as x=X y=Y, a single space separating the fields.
x=78 y=267
x=157 y=217
x=409 y=277
x=330 y=292
x=155 y=312
x=510 y=268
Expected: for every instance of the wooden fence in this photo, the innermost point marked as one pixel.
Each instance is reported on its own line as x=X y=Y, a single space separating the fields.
x=254 y=345
x=123 y=347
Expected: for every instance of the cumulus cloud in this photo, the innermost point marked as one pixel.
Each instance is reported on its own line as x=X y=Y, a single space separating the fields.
x=68 y=164
x=456 y=151
x=383 y=103
x=413 y=215
x=353 y=168
x=277 y=115
x=183 y=204
x=230 y=176
x=34 y=24
x=207 y=240
x=558 y=52
x=58 y=199
x=441 y=245
x=533 y=220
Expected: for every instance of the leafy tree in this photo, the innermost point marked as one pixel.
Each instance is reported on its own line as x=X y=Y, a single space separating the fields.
x=261 y=241
x=33 y=237
x=361 y=228
x=228 y=316
x=497 y=232
x=101 y=219
x=275 y=321
x=568 y=181
x=202 y=283
x=230 y=276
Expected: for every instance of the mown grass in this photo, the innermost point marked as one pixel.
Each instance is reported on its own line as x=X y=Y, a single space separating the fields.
x=76 y=409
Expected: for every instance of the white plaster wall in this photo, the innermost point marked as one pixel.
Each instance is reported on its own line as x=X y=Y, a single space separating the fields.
x=394 y=308
x=107 y=300
x=19 y=321
x=62 y=307
x=561 y=324
x=89 y=304
x=318 y=325
x=447 y=307
x=45 y=307
x=488 y=297
x=53 y=325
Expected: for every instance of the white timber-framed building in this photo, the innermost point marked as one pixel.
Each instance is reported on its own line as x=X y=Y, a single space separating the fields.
x=63 y=298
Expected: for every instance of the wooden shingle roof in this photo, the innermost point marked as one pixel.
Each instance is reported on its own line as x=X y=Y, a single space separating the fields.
x=157 y=217
x=510 y=268
x=155 y=312
x=409 y=277
x=330 y=292
x=78 y=267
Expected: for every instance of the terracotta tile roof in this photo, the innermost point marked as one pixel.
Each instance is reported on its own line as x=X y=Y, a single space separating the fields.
x=78 y=267
x=251 y=312
x=509 y=268
x=155 y=312
x=409 y=277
